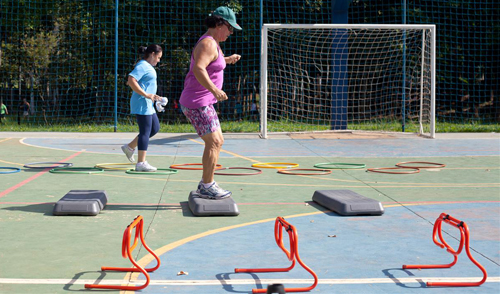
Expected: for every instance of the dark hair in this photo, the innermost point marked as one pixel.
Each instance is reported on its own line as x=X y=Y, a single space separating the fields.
x=213 y=21
x=146 y=51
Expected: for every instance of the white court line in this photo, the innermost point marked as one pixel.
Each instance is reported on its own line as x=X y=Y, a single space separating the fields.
x=245 y=281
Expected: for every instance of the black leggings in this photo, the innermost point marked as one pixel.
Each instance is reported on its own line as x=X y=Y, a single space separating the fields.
x=148 y=127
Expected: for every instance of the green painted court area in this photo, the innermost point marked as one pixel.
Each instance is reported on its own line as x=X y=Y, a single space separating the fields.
x=43 y=253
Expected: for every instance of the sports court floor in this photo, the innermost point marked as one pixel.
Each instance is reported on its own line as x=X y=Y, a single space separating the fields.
x=42 y=253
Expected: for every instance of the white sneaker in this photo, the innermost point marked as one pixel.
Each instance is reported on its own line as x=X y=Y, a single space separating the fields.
x=213 y=192
x=144 y=167
x=128 y=152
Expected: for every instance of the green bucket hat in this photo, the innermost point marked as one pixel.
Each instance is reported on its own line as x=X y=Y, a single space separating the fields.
x=228 y=15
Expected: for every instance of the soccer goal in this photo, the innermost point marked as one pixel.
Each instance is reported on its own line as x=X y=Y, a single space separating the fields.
x=348 y=77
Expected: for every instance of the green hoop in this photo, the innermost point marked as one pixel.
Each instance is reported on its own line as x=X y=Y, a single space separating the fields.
x=168 y=171
x=340 y=165
x=111 y=166
x=78 y=170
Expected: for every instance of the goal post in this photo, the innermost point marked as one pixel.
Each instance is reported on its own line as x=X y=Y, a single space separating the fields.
x=319 y=77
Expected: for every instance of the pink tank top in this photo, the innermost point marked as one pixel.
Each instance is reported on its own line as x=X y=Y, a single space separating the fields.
x=194 y=94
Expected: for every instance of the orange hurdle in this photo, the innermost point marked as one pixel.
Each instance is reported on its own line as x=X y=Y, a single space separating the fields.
x=127 y=249
x=292 y=255
x=464 y=240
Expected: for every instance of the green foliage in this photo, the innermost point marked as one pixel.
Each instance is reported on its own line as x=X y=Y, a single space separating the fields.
x=59 y=55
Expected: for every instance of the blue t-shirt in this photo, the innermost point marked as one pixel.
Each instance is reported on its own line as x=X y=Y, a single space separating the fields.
x=145 y=75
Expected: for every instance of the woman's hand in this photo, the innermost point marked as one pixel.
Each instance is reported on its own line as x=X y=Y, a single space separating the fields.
x=153 y=97
x=220 y=95
x=233 y=59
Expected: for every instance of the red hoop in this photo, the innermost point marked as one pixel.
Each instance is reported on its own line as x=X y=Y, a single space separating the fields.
x=436 y=165
x=239 y=174
x=319 y=171
x=382 y=170
x=182 y=166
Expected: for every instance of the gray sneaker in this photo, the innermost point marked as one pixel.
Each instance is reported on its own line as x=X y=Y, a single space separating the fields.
x=129 y=153
x=213 y=192
x=144 y=167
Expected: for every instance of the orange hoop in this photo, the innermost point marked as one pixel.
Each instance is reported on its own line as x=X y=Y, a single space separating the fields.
x=382 y=170
x=290 y=171
x=183 y=166
x=432 y=164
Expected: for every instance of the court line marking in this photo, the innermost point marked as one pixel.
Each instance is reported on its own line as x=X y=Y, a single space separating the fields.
x=14 y=163
x=228 y=152
x=395 y=185
x=398 y=183
x=51 y=148
x=164 y=249
x=19 y=185
x=179 y=205
x=6 y=139
x=247 y=281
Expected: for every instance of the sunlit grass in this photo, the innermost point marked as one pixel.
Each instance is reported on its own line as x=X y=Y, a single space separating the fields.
x=245 y=127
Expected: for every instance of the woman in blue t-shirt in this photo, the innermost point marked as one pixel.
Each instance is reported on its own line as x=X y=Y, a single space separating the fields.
x=142 y=80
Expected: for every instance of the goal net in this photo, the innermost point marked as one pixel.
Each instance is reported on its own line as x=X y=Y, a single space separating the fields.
x=347 y=77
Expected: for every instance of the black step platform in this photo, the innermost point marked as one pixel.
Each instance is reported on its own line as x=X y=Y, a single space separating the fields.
x=207 y=207
x=81 y=202
x=347 y=202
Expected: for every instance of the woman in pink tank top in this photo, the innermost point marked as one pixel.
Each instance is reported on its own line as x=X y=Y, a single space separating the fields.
x=203 y=88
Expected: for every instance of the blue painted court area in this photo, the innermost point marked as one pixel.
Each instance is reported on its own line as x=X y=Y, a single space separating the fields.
x=362 y=254
x=190 y=145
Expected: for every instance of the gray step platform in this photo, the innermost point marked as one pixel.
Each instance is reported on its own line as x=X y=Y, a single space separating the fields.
x=81 y=202
x=207 y=207
x=347 y=202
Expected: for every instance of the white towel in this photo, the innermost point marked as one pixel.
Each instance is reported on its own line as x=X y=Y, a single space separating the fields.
x=160 y=104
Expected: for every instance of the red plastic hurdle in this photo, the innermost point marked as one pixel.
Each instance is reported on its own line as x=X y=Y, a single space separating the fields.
x=127 y=248
x=464 y=242
x=292 y=255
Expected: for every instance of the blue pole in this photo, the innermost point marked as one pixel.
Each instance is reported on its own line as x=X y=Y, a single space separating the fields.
x=261 y=14
x=339 y=77
x=403 y=108
x=116 y=65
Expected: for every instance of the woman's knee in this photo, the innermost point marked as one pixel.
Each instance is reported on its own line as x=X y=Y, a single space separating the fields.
x=214 y=140
x=154 y=131
x=155 y=126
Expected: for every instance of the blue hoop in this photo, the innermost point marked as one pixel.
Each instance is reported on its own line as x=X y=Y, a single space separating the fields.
x=14 y=170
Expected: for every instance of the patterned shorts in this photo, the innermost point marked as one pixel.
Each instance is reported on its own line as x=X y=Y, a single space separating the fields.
x=203 y=119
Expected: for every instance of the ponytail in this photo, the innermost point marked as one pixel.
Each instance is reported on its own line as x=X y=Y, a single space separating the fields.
x=145 y=52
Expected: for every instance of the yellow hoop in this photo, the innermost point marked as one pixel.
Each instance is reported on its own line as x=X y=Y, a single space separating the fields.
x=273 y=165
x=107 y=166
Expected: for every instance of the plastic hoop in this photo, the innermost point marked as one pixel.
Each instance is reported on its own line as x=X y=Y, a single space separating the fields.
x=291 y=171
x=239 y=174
x=273 y=165
x=382 y=170
x=432 y=164
x=183 y=166
x=340 y=165
x=12 y=170
x=61 y=164
x=82 y=170
x=107 y=166
x=169 y=171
